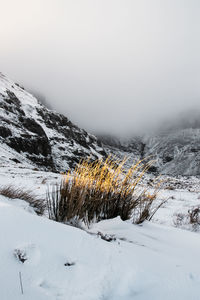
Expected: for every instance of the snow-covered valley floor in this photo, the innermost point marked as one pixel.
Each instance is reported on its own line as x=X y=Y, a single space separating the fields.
x=152 y=261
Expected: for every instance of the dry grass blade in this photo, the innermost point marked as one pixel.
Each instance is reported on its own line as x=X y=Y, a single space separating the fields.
x=101 y=190
x=13 y=192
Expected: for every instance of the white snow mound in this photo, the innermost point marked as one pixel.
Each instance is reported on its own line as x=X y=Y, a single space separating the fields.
x=62 y=262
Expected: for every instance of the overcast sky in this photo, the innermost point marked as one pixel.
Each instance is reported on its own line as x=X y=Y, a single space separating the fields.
x=109 y=65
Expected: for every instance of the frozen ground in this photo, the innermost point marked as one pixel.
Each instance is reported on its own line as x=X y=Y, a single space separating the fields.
x=152 y=261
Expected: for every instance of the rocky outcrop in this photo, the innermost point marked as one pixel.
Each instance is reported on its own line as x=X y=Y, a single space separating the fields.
x=41 y=136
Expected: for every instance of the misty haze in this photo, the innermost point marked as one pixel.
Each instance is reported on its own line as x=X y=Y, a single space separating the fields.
x=100 y=150
x=111 y=66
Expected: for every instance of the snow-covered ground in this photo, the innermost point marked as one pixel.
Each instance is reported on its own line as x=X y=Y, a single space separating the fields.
x=153 y=261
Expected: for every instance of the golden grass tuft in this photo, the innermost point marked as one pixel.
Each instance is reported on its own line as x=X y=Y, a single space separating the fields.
x=102 y=190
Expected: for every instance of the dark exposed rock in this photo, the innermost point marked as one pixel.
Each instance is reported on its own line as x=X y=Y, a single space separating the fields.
x=12 y=99
x=167 y=159
x=153 y=169
x=195 y=150
x=5 y=132
x=52 y=119
x=20 y=86
x=103 y=153
x=83 y=142
x=15 y=160
x=79 y=153
x=32 y=145
x=32 y=126
x=11 y=104
x=43 y=162
x=69 y=264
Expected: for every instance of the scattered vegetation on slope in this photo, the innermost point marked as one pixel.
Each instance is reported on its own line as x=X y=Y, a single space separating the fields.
x=189 y=220
x=13 y=192
x=102 y=190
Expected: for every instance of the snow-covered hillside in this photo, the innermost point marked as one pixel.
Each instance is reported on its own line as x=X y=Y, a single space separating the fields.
x=32 y=135
x=176 y=151
x=62 y=262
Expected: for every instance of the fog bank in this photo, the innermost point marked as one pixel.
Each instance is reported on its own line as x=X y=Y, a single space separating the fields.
x=111 y=66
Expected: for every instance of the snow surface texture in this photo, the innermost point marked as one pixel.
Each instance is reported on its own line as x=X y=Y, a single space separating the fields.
x=62 y=262
x=153 y=261
x=32 y=135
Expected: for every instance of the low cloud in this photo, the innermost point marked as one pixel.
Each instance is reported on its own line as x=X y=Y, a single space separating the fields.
x=111 y=66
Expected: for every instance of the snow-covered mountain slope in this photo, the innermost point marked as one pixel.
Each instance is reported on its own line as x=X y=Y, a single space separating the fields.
x=175 y=150
x=32 y=135
x=62 y=262
x=123 y=148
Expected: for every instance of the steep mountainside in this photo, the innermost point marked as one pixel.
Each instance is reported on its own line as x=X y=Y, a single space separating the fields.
x=35 y=136
x=176 y=150
x=130 y=149
x=32 y=134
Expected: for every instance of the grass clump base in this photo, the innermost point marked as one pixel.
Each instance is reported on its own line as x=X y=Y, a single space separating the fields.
x=100 y=190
